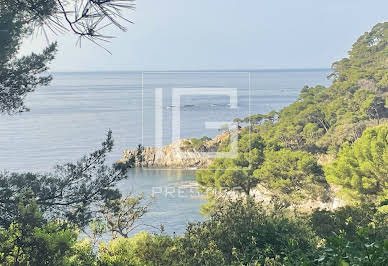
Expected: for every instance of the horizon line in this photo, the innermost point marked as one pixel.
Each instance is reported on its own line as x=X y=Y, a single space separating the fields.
x=199 y=70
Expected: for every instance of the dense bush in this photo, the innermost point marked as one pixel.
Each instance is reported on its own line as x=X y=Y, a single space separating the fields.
x=244 y=232
x=142 y=249
x=352 y=236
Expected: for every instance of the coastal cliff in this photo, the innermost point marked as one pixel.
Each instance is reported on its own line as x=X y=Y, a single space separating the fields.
x=185 y=153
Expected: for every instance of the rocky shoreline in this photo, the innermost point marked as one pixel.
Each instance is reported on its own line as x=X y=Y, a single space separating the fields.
x=176 y=154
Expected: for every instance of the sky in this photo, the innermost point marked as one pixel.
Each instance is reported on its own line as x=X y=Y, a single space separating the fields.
x=224 y=35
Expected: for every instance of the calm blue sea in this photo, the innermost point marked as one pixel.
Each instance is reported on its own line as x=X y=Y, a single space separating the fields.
x=71 y=117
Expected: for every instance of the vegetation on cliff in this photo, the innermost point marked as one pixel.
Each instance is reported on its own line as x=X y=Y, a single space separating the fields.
x=322 y=123
x=195 y=144
x=322 y=119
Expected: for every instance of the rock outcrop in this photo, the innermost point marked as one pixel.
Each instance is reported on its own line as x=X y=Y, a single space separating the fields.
x=179 y=154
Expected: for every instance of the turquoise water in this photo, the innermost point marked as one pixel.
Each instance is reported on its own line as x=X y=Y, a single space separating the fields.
x=71 y=116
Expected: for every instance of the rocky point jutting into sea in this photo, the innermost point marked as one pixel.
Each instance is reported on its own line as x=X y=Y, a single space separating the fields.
x=179 y=154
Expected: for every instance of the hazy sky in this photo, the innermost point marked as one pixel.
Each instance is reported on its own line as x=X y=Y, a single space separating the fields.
x=225 y=34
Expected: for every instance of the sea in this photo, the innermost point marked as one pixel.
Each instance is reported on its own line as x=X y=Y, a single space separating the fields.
x=70 y=118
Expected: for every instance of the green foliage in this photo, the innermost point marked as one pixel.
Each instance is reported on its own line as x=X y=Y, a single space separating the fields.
x=238 y=232
x=361 y=251
x=142 y=249
x=301 y=124
x=231 y=173
x=81 y=253
x=368 y=52
x=254 y=119
x=361 y=168
x=258 y=119
x=195 y=144
x=242 y=232
x=18 y=76
x=354 y=235
x=293 y=174
x=31 y=240
x=48 y=245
